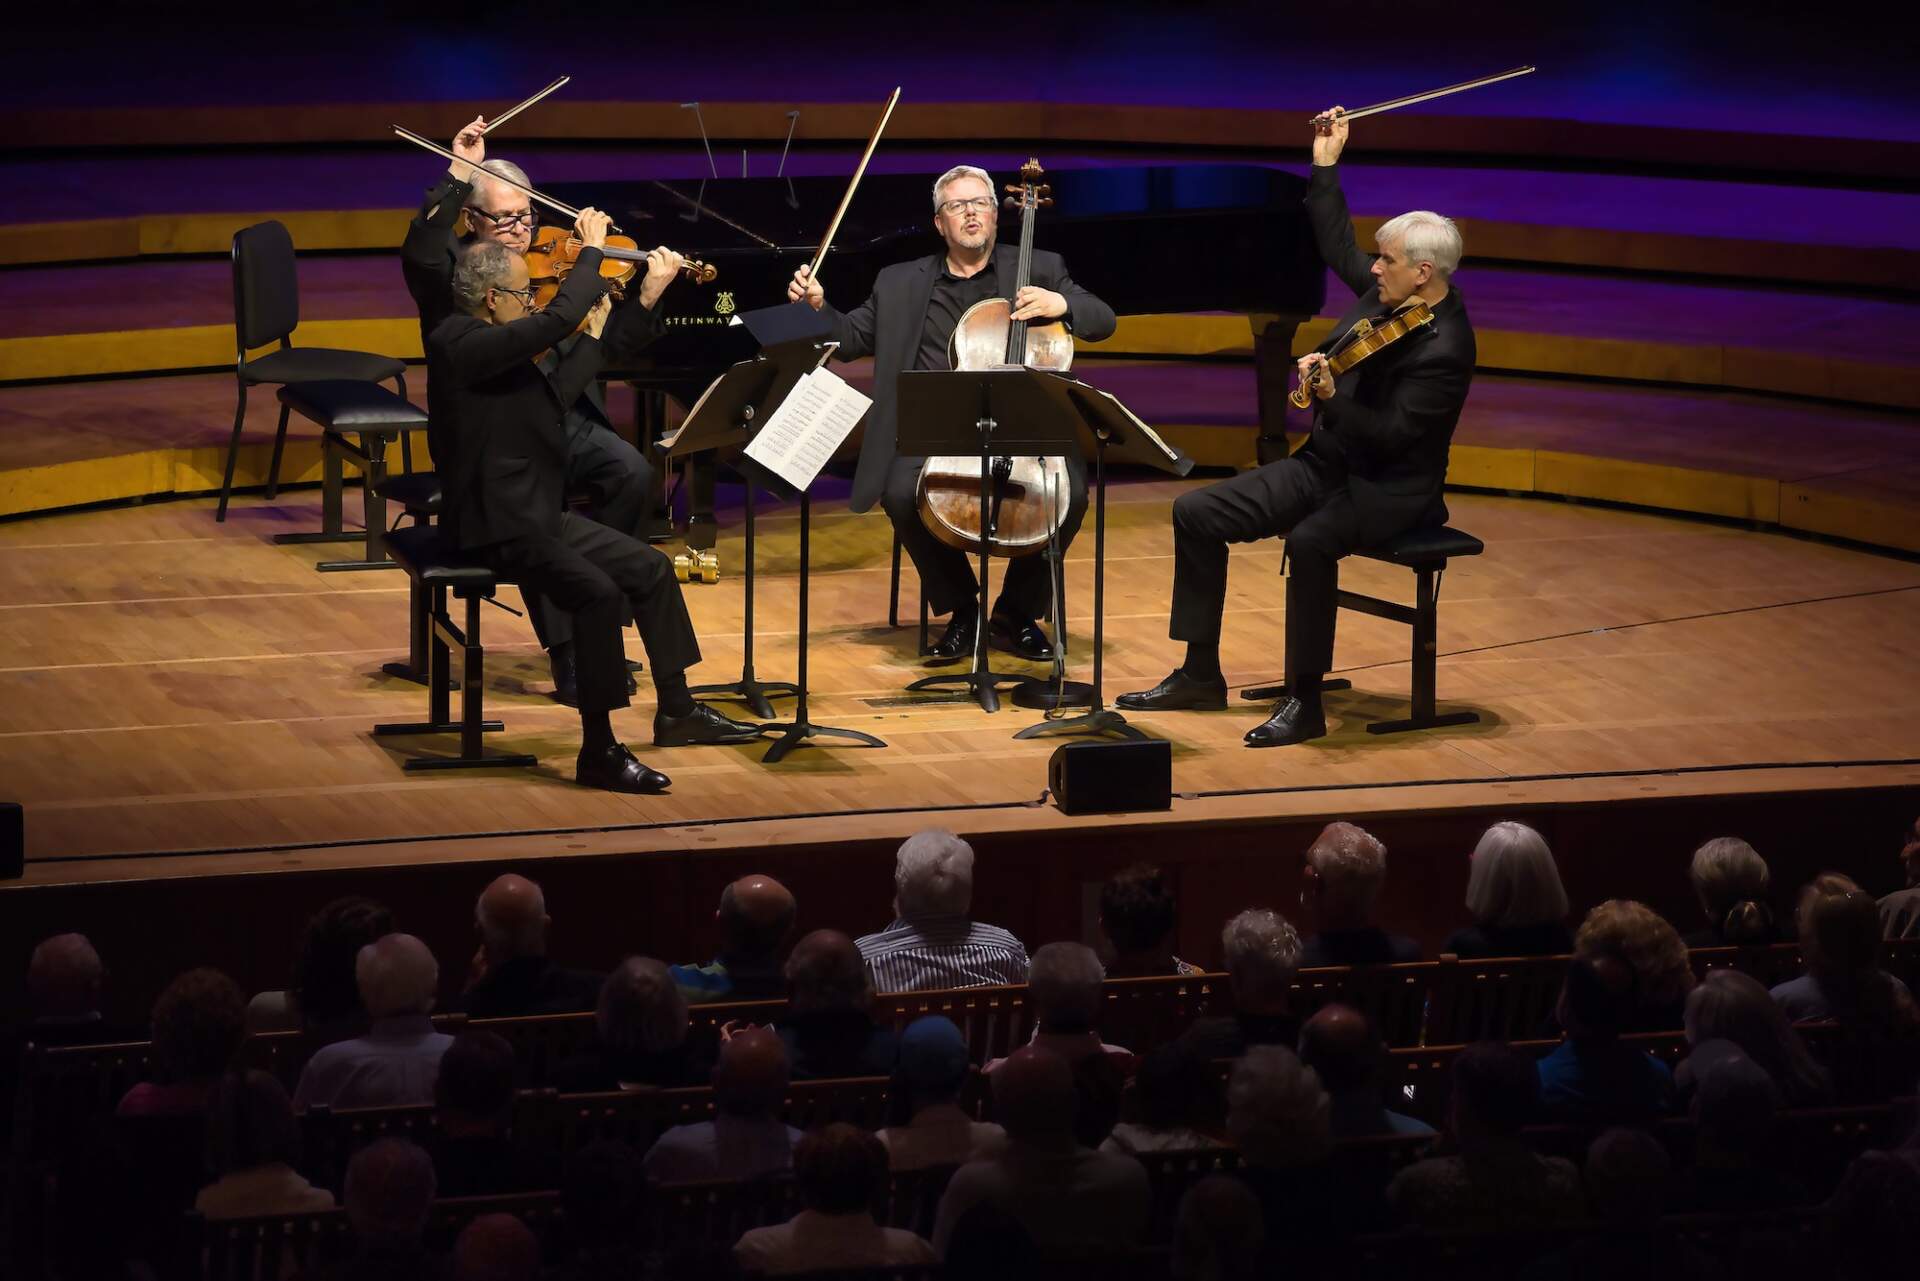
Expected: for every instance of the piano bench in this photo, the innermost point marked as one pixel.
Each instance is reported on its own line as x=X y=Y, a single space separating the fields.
x=1426 y=552
x=435 y=568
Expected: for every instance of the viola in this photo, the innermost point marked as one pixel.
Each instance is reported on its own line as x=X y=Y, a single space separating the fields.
x=554 y=251
x=1367 y=339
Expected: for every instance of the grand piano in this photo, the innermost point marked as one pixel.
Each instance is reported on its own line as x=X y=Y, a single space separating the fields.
x=1146 y=238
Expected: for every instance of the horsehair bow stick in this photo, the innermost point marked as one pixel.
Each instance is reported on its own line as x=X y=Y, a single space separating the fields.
x=813 y=272
x=441 y=151
x=1322 y=121
x=511 y=112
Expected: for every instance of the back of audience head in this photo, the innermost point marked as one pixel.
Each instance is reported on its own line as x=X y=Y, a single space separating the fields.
x=474 y=1090
x=1736 y=1007
x=64 y=978
x=1870 y=1216
x=1278 y=1113
x=1173 y=1087
x=1262 y=954
x=1910 y=861
x=1599 y=995
x=756 y=915
x=1064 y=985
x=1734 y=1103
x=1346 y=866
x=397 y=976
x=641 y=1009
x=1512 y=880
x=1220 y=1233
x=933 y=875
x=1496 y=1092
x=1839 y=928
x=511 y=916
x=750 y=1077
x=388 y=1192
x=250 y=1124
x=1731 y=881
x=496 y=1247
x=1342 y=1047
x=1033 y=1095
x=323 y=975
x=825 y=971
x=199 y=1022
x=990 y=1243
x=1650 y=944
x=1628 y=1175
x=1137 y=912
x=931 y=1068
x=602 y=1194
x=839 y=1169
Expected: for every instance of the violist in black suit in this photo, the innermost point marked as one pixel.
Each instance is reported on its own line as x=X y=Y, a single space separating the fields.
x=1373 y=466
x=498 y=437
x=906 y=324
x=612 y=473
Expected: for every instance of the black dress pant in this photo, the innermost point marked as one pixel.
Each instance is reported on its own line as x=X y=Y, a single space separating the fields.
x=1302 y=497
x=600 y=576
x=947 y=574
x=616 y=478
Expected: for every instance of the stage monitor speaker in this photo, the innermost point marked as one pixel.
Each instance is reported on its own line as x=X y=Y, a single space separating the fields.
x=1112 y=778
x=13 y=840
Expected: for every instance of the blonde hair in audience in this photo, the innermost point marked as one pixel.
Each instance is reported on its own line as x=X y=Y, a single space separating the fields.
x=1513 y=880
x=1652 y=945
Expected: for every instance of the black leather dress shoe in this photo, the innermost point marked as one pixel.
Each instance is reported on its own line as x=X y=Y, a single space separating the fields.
x=1023 y=639
x=1178 y=692
x=954 y=644
x=701 y=725
x=1292 y=722
x=566 y=684
x=616 y=770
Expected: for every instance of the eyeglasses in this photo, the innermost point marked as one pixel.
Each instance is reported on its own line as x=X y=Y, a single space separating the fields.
x=524 y=295
x=519 y=218
x=981 y=203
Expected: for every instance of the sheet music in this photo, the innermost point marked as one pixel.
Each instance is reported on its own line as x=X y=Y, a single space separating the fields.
x=820 y=412
x=1146 y=433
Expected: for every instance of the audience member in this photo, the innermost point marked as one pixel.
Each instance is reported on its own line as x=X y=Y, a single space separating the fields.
x=1173 y=1092
x=602 y=1200
x=746 y=1138
x=641 y=1035
x=927 y=1126
x=1495 y=1183
x=828 y=1025
x=1514 y=894
x=65 y=981
x=988 y=1243
x=1870 y=1216
x=1732 y=882
x=839 y=1171
x=1900 y=910
x=1346 y=868
x=1280 y=1118
x=1065 y=992
x=1345 y=1051
x=198 y=1024
x=397 y=1060
x=512 y=974
x=1072 y=1200
x=389 y=1191
x=1137 y=918
x=473 y=1149
x=324 y=1001
x=1262 y=953
x=932 y=942
x=253 y=1143
x=1629 y=1179
x=1594 y=1077
x=1840 y=939
x=1662 y=970
x=496 y=1247
x=755 y=917
x=1733 y=1107
x=1219 y=1233
x=1731 y=1006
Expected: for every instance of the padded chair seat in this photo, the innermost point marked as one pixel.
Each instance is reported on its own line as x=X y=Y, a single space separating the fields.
x=425 y=554
x=1425 y=546
x=310 y=364
x=418 y=492
x=344 y=404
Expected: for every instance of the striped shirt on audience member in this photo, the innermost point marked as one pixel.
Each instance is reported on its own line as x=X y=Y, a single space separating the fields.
x=926 y=953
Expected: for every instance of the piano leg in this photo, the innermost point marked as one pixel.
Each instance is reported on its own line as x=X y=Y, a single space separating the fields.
x=1273 y=378
x=649 y=421
x=702 y=529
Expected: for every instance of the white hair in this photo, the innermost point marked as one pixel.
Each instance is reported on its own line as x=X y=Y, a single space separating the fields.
x=1278 y=1114
x=1513 y=880
x=482 y=265
x=396 y=974
x=1351 y=862
x=1262 y=952
x=1064 y=984
x=933 y=874
x=1726 y=870
x=501 y=168
x=954 y=175
x=1424 y=236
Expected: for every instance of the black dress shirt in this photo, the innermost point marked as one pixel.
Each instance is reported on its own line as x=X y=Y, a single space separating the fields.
x=951 y=297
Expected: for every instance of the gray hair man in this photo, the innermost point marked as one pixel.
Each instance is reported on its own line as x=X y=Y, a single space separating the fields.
x=398 y=1061
x=932 y=942
x=512 y=974
x=1346 y=867
x=1261 y=952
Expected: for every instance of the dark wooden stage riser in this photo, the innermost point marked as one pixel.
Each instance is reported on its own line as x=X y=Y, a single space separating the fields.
x=1034 y=884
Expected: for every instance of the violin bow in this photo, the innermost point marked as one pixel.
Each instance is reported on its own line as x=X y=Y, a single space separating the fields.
x=813 y=272
x=511 y=112
x=546 y=200
x=1321 y=121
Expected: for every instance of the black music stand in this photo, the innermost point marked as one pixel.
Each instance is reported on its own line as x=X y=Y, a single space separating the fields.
x=1103 y=423
x=1010 y=410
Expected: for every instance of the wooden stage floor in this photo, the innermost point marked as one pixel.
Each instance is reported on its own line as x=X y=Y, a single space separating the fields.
x=179 y=697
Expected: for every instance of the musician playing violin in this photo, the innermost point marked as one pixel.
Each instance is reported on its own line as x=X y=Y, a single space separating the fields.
x=1372 y=468
x=906 y=324
x=612 y=473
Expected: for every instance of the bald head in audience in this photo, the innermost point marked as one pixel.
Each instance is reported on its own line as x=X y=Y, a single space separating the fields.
x=397 y=975
x=64 y=978
x=751 y=1075
x=755 y=917
x=389 y=1190
x=1339 y=1044
x=496 y=1247
x=512 y=919
x=1033 y=1096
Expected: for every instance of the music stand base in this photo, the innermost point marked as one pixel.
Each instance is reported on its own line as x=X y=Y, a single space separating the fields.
x=984 y=685
x=1045 y=696
x=795 y=733
x=1103 y=721
x=755 y=694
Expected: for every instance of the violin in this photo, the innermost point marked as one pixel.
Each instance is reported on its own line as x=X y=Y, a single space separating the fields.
x=1367 y=339
x=552 y=253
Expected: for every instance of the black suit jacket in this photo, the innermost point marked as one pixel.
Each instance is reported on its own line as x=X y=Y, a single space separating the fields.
x=887 y=327
x=1393 y=414
x=494 y=422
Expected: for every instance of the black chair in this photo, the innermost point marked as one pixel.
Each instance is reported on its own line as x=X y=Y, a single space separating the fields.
x=1426 y=552
x=418 y=494
x=437 y=569
x=266 y=309
x=344 y=409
